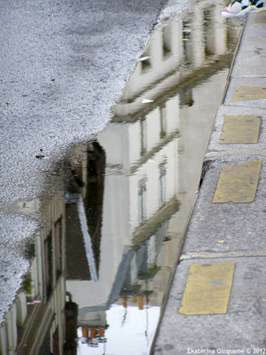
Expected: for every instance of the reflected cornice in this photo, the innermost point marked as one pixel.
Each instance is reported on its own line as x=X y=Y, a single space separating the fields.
x=150 y=226
x=137 y=109
x=154 y=150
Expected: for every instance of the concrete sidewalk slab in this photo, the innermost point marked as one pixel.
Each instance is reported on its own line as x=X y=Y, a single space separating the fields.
x=251 y=58
x=244 y=322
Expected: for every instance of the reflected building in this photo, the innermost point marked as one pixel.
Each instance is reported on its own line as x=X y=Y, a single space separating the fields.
x=162 y=122
x=109 y=243
x=35 y=323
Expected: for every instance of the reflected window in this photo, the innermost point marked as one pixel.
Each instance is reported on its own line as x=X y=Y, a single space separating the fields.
x=58 y=247
x=187 y=43
x=166 y=38
x=208 y=31
x=162 y=182
x=162 y=121
x=3 y=340
x=143 y=136
x=142 y=200
x=21 y=309
x=56 y=344
x=48 y=264
x=145 y=61
x=186 y=98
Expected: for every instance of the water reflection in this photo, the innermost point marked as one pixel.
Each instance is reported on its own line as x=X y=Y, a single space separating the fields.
x=105 y=255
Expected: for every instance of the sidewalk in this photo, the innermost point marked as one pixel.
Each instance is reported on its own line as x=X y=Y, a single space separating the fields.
x=221 y=308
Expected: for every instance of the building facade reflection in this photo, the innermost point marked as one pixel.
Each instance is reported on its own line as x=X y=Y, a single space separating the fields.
x=36 y=323
x=162 y=123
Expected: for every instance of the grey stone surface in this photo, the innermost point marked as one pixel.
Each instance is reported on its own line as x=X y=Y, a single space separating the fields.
x=252 y=56
x=242 y=327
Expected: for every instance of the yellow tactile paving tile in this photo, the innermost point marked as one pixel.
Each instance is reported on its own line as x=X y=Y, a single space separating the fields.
x=248 y=93
x=260 y=17
x=238 y=182
x=240 y=129
x=208 y=289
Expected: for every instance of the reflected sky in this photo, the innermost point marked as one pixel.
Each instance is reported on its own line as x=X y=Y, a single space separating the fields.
x=138 y=325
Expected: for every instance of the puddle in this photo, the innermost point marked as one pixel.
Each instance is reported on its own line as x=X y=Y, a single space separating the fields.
x=105 y=255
